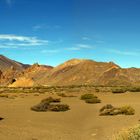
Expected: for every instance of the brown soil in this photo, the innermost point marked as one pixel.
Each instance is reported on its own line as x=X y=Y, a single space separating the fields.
x=82 y=122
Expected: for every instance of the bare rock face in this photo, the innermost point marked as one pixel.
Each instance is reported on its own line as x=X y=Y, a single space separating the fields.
x=6 y=63
x=30 y=76
x=9 y=69
x=72 y=72
x=77 y=71
x=22 y=82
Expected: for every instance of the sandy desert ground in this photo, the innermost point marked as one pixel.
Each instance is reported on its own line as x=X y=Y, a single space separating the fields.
x=82 y=122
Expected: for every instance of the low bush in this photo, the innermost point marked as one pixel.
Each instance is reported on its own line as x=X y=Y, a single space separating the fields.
x=50 y=104
x=62 y=94
x=108 y=106
x=111 y=110
x=87 y=96
x=90 y=98
x=93 y=101
x=59 y=107
x=134 y=89
x=4 y=95
x=127 y=110
x=65 y=95
x=119 y=90
x=51 y=100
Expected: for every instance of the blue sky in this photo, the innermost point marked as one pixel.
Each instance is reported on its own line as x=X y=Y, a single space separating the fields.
x=53 y=31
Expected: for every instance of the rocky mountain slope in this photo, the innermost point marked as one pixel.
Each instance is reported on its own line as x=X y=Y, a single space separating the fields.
x=6 y=63
x=72 y=72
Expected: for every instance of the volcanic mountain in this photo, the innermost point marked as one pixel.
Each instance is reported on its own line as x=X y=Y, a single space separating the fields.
x=71 y=72
x=6 y=63
x=82 y=71
x=9 y=69
x=77 y=72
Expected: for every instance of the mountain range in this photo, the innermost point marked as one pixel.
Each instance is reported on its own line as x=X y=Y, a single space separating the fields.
x=71 y=72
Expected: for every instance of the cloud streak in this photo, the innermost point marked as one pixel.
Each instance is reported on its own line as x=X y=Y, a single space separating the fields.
x=14 y=41
x=124 y=52
x=81 y=47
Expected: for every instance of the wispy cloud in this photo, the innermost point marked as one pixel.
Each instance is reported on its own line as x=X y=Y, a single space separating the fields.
x=36 y=27
x=14 y=41
x=85 y=38
x=50 y=51
x=84 y=46
x=73 y=48
x=80 y=47
x=45 y=26
x=123 y=52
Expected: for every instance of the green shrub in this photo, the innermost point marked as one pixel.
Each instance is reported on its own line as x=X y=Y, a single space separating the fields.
x=93 y=100
x=87 y=96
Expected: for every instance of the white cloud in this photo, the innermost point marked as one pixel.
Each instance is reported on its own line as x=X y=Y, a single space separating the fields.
x=123 y=52
x=84 y=46
x=85 y=38
x=80 y=47
x=50 y=51
x=13 y=41
x=37 y=27
x=74 y=49
x=44 y=27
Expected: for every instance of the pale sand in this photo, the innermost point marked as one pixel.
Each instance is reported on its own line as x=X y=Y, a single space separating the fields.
x=82 y=122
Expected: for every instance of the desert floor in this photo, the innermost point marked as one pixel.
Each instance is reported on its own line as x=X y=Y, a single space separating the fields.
x=82 y=122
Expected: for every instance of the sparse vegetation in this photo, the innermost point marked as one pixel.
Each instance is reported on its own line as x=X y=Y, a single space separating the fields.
x=90 y=98
x=87 y=96
x=58 y=107
x=65 y=95
x=4 y=95
x=93 y=100
x=127 y=110
x=46 y=105
x=129 y=134
x=119 y=90
x=111 y=110
x=134 y=89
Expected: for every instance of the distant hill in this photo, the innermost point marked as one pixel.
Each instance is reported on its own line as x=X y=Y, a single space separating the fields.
x=76 y=72
x=6 y=63
x=72 y=72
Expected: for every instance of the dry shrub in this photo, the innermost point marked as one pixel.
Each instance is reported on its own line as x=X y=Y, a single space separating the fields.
x=93 y=101
x=65 y=95
x=90 y=98
x=58 y=107
x=50 y=104
x=127 y=110
x=87 y=96
x=111 y=110
x=119 y=90
x=129 y=134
